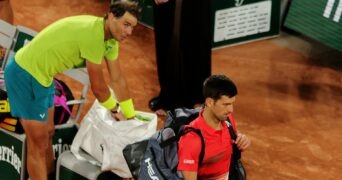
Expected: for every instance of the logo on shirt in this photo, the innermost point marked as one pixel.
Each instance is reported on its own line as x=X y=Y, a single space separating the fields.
x=189 y=161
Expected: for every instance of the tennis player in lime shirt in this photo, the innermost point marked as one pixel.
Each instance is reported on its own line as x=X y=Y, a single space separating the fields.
x=72 y=42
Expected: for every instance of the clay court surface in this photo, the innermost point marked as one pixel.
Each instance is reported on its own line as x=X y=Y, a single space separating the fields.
x=290 y=92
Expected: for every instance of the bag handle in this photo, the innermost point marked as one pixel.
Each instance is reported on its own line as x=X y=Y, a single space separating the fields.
x=231 y=130
x=182 y=131
x=61 y=100
x=236 y=152
x=199 y=133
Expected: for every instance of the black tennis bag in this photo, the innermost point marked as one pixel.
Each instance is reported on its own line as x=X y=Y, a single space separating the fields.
x=157 y=158
x=236 y=170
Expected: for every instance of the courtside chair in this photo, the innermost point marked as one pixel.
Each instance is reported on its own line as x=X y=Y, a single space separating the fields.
x=7 y=29
x=7 y=35
x=79 y=75
x=22 y=36
x=5 y=46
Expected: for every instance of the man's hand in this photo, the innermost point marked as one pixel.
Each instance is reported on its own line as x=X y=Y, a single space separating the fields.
x=158 y=2
x=242 y=141
x=118 y=116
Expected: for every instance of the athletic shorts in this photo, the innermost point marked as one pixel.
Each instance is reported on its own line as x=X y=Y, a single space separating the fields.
x=27 y=97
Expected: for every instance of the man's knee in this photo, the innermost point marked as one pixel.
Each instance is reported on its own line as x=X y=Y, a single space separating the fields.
x=38 y=145
x=37 y=134
x=51 y=131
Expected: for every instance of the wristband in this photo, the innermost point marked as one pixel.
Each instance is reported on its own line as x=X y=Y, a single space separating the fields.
x=110 y=103
x=127 y=108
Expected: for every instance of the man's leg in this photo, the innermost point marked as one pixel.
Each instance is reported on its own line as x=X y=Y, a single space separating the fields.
x=49 y=152
x=37 y=144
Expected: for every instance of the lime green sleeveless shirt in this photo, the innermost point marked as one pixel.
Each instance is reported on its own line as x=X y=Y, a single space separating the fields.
x=66 y=44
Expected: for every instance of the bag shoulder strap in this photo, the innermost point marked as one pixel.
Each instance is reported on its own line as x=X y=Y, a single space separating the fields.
x=199 y=133
x=236 y=152
x=182 y=131
x=231 y=129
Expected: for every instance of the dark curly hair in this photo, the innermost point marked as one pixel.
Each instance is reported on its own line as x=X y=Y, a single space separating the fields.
x=216 y=86
x=119 y=7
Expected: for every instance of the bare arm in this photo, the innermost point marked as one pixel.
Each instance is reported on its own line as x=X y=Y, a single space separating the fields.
x=97 y=82
x=117 y=80
x=189 y=175
x=100 y=88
